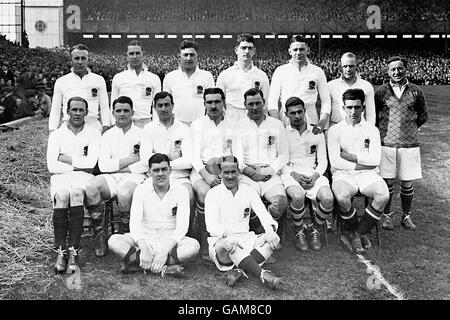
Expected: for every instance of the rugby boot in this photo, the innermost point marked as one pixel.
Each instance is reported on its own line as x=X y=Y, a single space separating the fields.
x=407 y=223
x=273 y=282
x=61 y=261
x=203 y=238
x=174 y=270
x=129 y=265
x=387 y=223
x=365 y=242
x=125 y=222
x=355 y=242
x=300 y=239
x=72 y=263
x=101 y=246
x=315 y=242
x=233 y=276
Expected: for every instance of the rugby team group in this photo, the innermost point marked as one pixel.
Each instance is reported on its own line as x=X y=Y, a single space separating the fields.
x=209 y=169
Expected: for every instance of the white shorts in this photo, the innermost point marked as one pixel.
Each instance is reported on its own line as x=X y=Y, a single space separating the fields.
x=246 y=240
x=358 y=180
x=235 y=114
x=403 y=163
x=69 y=181
x=261 y=186
x=116 y=180
x=288 y=181
x=157 y=238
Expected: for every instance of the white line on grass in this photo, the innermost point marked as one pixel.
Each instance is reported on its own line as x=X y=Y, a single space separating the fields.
x=377 y=273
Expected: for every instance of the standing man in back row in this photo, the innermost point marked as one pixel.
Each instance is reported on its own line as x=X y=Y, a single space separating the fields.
x=240 y=77
x=300 y=78
x=83 y=83
x=187 y=84
x=137 y=83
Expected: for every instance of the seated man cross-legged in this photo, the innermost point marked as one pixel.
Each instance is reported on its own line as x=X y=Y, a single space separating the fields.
x=354 y=149
x=159 y=221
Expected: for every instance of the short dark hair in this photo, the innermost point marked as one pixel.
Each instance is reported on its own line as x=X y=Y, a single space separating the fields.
x=294 y=101
x=398 y=58
x=76 y=98
x=188 y=44
x=247 y=37
x=123 y=99
x=227 y=159
x=162 y=95
x=136 y=43
x=253 y=92
x=79 y=47
x=214 y=91
x=354 y=94
x=158 y=158
x=297 y=38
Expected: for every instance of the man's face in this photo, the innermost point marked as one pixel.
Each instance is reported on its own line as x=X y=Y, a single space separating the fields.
x=160 y=173
x=397 y=71
x=5 y=68
x=164 y=108
x=188 y=59
x=214 y=106
x=245 y=51
x=80 y=60
x=353 y=110
x=229 y=174
x=77 y=111
x=255 y=107
x=296 y=115
x=123 y=114
x=348 y=65
x=41 y=92
x=134 y=56
x=299 y=51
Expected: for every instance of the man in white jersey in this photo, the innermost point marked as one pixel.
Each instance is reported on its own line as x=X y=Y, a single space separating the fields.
x=300 y=78
x=212 y=137
x=266 y=152
x=350 y=79
x=71 y=155
x=83 y=83
x=137 y=83
x=231 y=244
x=122 y=169
x=303 y=177
x=240 y=77
x=354 y=148
x=187 y=84
x=158 y=224
x=169 y=136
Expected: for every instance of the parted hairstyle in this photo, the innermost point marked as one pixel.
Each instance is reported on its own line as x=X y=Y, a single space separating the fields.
x=214 y=91
x=123 y=99
x=398 y=58
x=354 y=94
x=135 y=43
x=294 y=101
x=253 y=92
x=188 y=44
x=79 y=47
x=162 y=95
x=158 y=158
x=77 y=99
x=247 y=37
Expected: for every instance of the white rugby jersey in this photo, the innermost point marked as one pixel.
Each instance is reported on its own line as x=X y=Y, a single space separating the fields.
x=288 y=81
x=159 y=139
x=225 y=212
x=82 y=147
x=338 y=86
x=151 y=214
x=116 y=145
x=91 y=87
x=235 y=82
x=188 y=92
x=266 y=145
x=209 y=140
x=362 y=139
x=140 y=88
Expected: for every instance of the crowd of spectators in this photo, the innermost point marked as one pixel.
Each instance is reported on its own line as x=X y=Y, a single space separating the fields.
x=26 y=69
x=263 y=10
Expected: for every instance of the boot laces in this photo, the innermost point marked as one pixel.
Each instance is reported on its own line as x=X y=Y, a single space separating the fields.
x=263 y=275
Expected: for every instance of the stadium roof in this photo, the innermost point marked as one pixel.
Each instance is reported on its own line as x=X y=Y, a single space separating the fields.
x=44 y=3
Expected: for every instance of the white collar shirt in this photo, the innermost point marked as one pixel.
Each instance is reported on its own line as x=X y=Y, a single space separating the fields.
x=235 y=82
x=363 y=139
x=398 y=88
x=226 y=212
x=188 y=93
x=149 y=213
x=266 y=145
x=116 y=145
x=91 y=87
x=140 y=88
x=83 y=147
